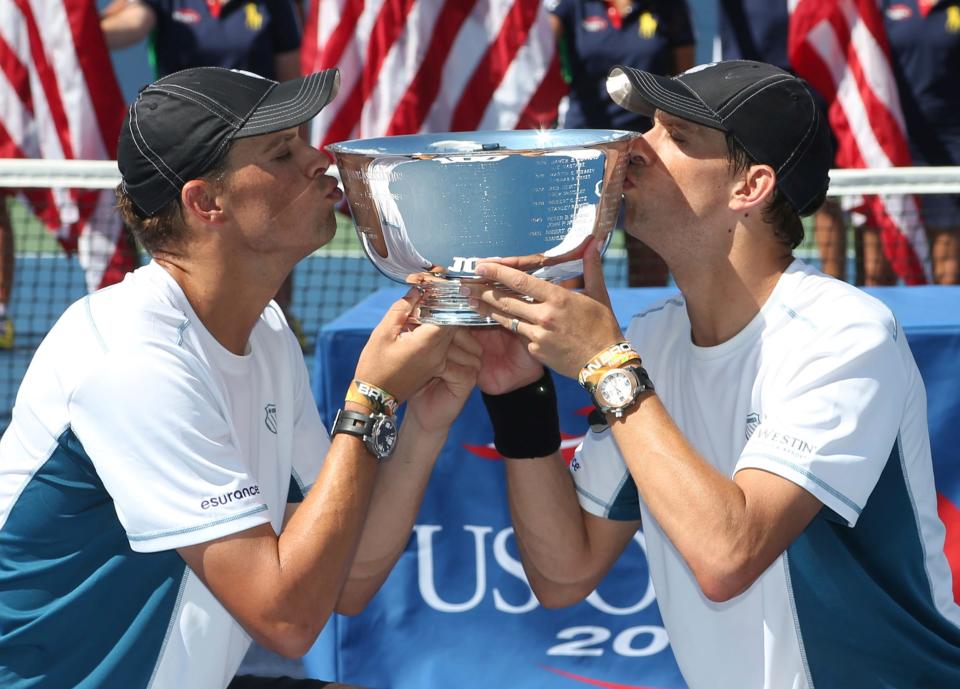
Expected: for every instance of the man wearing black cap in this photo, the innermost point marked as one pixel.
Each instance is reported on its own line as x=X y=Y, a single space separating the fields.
x=773 y=436
x=167 y=489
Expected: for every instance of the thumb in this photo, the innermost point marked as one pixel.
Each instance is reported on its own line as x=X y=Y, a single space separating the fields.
x=401 y=310
x=594 y=284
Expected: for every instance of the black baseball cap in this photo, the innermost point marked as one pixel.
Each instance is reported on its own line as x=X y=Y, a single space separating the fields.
x=770 y=112
x=180 y=126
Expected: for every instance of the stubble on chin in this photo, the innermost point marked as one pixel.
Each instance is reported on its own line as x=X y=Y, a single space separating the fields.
x=327 y=229
x=634 y=220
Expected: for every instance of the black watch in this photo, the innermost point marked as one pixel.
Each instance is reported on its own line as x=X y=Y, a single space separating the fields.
x=618 y=389
x=378 y=431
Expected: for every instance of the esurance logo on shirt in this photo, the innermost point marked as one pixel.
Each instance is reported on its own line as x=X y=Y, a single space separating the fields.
x=229 y=497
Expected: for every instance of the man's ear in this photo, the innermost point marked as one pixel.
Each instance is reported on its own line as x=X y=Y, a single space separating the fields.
x=199 y=199
x=753 y=188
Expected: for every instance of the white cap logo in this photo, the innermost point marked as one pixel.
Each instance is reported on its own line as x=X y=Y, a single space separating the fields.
x=699 y=68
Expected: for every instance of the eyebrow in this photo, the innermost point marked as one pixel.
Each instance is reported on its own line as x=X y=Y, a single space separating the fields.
x=278 y=141
x=672 y=120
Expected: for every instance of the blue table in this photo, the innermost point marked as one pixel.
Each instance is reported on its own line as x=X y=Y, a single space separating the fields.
x=456 y=611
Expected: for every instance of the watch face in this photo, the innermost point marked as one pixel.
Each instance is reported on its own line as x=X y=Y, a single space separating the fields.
x=384 y=436
x=616 y=388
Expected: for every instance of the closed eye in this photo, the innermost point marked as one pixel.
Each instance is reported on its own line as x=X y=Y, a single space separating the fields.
x=675 y=136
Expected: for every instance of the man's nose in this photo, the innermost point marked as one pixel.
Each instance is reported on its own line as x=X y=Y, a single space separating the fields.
x=315 y=162
x=641 y=151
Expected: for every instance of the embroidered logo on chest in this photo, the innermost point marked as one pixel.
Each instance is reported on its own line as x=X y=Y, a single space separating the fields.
x=271 y=418
x=594 y=24
x=254 y=17
x=186 y=16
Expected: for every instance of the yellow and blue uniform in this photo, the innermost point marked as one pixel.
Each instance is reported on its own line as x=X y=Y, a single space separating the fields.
x=925 y=51
x=240 y=34
x=645 y=39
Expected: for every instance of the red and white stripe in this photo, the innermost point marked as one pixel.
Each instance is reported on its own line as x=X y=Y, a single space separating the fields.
x=840 y=47
x=411 y=66
x=59 y=99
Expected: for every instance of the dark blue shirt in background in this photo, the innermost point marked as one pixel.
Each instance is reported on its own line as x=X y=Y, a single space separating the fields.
x=753 y=30
x=925 y=53
x=247 y=35
x=645 y=40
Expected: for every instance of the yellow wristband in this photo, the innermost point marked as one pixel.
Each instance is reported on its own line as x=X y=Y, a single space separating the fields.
x=373 y=398
x=613 y=356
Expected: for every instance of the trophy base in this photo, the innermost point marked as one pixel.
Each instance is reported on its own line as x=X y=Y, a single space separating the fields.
x=442 y=304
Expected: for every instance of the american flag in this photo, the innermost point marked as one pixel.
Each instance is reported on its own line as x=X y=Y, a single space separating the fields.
x=410 y=66
x=59 y=99
x=840 y=47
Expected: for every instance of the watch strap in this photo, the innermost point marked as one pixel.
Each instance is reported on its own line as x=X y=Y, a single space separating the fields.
x=378 y=431
x=353 y=423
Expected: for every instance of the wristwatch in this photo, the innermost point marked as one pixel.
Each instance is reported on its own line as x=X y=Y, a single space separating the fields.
x=378 y=431
x=617 y=389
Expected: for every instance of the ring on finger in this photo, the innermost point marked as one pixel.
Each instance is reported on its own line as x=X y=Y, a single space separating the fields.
x=514 y=324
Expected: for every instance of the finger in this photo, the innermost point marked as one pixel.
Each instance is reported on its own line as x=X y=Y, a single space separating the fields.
x=462 y=357
x=464 y=339
x=525 y=263
x=594 y=284
x=436 y=336
x=455 y=374
x=401 y=310
x=516 y=280
x=503 y=302
x=514 y=325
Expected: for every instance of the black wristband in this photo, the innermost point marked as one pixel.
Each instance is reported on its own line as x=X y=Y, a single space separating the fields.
x=525 y=420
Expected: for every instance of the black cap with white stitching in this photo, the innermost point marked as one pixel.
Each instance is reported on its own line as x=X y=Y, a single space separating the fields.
x=180 y=126
x=770 y=112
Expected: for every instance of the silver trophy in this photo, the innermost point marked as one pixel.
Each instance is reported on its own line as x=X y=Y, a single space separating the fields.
x=428 y=207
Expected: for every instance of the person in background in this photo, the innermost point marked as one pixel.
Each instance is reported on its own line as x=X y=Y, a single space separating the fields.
x=595 y=35
x=259 y=36
x=768 y=425
x=758 y=30
x=924 y=37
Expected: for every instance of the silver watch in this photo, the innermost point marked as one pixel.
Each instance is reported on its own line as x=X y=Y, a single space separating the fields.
x=617 y=390
x=378 y=431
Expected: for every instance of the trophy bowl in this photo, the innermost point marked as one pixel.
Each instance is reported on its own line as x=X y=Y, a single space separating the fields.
x=428 y=207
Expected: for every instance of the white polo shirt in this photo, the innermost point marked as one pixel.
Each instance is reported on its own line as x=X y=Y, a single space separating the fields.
x=821 y=389
x=135 y=433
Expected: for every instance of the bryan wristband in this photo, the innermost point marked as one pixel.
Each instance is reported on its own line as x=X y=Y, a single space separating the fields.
x=614 y=356
x=373 y=398
x=525 y=421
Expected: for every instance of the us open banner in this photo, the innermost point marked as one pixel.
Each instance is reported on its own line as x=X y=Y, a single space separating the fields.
x=456 y=613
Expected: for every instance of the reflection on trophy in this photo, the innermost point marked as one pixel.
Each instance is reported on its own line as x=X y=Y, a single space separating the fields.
x=428 y=207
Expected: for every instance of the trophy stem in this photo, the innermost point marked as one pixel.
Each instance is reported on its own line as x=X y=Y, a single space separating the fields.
x=442 y=304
